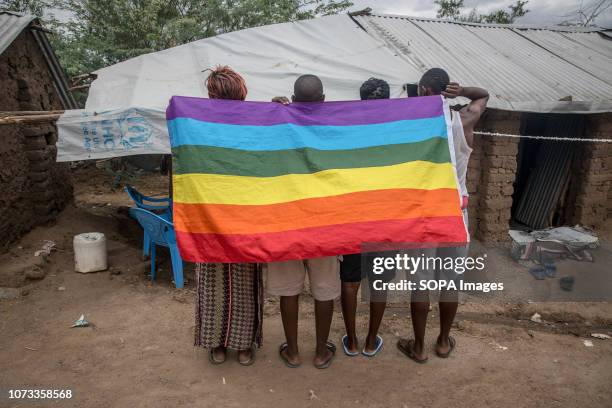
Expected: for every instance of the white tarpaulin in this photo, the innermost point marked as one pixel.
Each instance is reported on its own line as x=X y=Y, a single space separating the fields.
x=122 y=132
x=270 y=58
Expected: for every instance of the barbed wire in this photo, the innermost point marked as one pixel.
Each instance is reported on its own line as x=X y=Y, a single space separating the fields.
x=556 y=139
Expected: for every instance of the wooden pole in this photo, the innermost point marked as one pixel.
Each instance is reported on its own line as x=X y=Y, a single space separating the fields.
x=40 y=28
x=82 y=76
x=29 y=119
x=76 y=88
x=20 y=113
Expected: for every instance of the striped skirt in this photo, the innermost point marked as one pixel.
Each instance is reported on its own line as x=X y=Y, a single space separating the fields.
x=229 y=305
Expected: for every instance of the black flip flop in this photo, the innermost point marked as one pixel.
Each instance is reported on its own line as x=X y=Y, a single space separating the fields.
x=406 y=347
x=331 y=347
x=452 y=343
x=250 y=360
x=211 y=357
x=288 y=363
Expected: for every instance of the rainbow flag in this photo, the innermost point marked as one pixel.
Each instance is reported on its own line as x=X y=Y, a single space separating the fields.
x=261 y=182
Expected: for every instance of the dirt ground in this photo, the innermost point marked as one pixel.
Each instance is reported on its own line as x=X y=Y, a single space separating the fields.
x=138 y=351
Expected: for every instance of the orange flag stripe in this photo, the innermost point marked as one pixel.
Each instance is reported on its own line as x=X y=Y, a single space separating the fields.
x=360 y=206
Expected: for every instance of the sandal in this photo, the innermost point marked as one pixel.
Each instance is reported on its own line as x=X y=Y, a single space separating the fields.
x=251 y=359
x=288 y=363
x=379 y=345
x=331 y=347
x=212 y=359
x=407 y=348
x=452 y=343
x=346 y=349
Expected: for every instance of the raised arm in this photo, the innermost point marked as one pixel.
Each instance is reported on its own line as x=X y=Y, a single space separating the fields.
x=470 y=114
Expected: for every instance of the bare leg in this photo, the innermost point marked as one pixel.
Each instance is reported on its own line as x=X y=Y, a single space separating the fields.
x=349 y=310
x=324 y=312
x=289 y=306
x=448 y=309
x=419 y=308
x=377 y=310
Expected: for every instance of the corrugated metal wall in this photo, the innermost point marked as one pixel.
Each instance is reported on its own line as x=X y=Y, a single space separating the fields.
x=545 y=177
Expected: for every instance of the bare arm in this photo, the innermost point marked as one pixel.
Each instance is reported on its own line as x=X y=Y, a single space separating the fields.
x=471 y=113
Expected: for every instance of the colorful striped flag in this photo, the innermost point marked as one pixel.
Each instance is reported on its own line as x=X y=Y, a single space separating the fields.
x=260 y=181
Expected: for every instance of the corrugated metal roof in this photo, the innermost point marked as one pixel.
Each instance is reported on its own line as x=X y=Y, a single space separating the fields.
x=11 y=25
x=525 y=68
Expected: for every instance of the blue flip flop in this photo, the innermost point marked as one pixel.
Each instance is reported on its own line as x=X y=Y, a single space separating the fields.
x=538 y=272
x=345 y=347
x=379 y=346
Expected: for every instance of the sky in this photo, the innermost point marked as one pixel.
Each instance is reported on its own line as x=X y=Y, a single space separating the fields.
x=541 y=12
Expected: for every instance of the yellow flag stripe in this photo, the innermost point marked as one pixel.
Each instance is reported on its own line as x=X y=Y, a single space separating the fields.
x=243 y=190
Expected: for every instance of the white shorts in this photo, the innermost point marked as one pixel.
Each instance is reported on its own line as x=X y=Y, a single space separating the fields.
x=286 y=278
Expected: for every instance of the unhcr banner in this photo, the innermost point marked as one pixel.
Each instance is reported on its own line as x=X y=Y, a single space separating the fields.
x=84 y=135
x=261 y=182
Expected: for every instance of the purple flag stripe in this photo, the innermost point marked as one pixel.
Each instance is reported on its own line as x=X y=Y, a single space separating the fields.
x=304 y=114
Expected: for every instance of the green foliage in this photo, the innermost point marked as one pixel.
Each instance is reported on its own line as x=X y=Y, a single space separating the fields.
x=451 y=9
x=518 y=10
x=99 y=33
x=35 y=7
x=506 y=17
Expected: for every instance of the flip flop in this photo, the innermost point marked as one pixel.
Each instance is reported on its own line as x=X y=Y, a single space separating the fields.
x=379 y=346
x=345 y=347
x=407 y=348
x=538 y=272
x=452 y=343
x=250 y=360
x=288 y=363
x=211 y=357
x=331 y=347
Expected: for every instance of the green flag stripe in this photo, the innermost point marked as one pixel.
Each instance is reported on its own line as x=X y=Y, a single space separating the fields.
x=218 y=160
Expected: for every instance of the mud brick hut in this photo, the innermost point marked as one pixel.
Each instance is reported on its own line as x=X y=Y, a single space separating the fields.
x=34 y=187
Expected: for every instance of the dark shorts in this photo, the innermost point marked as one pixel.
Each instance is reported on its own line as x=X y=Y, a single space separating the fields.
x=438 y=271
x=356 y=267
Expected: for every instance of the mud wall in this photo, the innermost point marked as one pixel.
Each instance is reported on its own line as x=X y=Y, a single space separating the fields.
x=492 y=173
x=34 y=187
x=592 y=193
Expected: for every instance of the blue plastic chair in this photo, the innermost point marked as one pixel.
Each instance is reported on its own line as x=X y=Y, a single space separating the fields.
x=160 y=232
x=161 y=206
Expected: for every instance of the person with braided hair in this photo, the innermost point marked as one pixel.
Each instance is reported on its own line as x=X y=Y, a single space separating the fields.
x=229 y=296
x=352 y=273
x=225 y=83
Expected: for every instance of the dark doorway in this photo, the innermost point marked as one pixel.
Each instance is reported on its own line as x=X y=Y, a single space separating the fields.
x=544 y=176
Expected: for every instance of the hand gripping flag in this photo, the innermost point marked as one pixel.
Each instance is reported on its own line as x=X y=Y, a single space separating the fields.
x=261 y=182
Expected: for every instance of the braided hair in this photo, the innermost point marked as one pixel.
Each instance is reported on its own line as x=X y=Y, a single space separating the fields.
x=374 y=88
x=225 y=83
